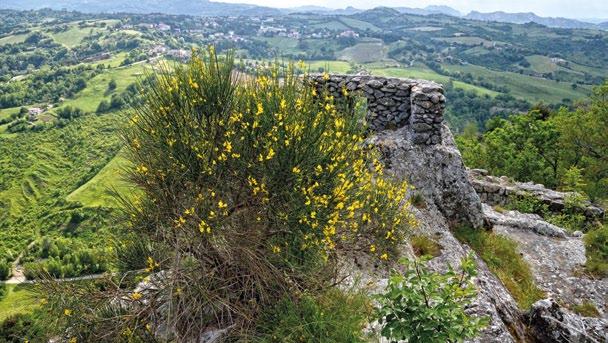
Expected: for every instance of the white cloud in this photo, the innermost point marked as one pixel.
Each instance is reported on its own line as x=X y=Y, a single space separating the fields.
x=562 y=8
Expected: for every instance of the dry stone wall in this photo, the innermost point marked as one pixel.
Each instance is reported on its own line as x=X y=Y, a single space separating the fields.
x=393 y=102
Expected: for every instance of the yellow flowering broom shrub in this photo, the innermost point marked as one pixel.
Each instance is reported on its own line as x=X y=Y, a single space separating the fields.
x=251 y=188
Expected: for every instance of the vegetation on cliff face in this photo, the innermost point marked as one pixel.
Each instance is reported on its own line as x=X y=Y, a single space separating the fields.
x=501 y=255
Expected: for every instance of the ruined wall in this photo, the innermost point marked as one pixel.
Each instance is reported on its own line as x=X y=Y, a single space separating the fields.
x=393 y=102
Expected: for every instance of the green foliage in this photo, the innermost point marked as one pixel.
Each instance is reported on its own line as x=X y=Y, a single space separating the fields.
x=501 y=255
x=573 y=181
x=584 y=139
x=572 y=217
x=423 y=306
x=334 y=316
x=523 y=147
x=527 y=203
x=3 y=290
x=425 y=246
x=112 y=85
x=69 y=112
x=5 y=269
x=565 y=148
x=596 y=246
x=22 y=328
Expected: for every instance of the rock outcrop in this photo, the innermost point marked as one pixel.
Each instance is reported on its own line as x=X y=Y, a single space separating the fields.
x=548 y=322
x=498 y=190
x=407 y=125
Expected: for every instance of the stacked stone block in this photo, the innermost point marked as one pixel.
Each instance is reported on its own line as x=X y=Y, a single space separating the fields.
x=393 y=102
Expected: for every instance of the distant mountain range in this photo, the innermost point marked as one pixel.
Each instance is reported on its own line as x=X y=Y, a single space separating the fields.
x=213 y=8
x=190 y=7
x=522 y=18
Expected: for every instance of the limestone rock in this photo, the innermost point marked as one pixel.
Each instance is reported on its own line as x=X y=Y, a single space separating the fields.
x=548 y=322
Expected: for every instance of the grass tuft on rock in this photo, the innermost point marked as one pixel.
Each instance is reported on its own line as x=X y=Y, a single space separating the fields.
x=501 y=256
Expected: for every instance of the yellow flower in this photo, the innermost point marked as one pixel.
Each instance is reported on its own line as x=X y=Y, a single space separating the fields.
x=72 y=340
x=227 y=146
x=325 y=76
x=142 y=169
x=384 y=256
x=296 y=170
x=372 y=248
x=136 y=296
x=270 y=153
x=67 y=312
x=221 y=204
x=151 y=264
x=204 y=227
x=276 y=249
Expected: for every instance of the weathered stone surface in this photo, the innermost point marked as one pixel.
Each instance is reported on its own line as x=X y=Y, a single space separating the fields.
x=436 y=171
x=548 y=322
x=523 y=221
x=496 y=191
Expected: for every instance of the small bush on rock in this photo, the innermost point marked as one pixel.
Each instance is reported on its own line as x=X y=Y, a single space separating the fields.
x=423 y=306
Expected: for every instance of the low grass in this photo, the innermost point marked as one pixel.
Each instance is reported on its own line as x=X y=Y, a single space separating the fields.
x=331 y=25
x=13 y=39
x=425 y=246
x=73 y=36
x=18 y=299
x=419 y=72
x=98 y=191
x=359 y=24
x=7 y=112
x=502 y=258
x=39 y=169
x=364 y=52
x=283 y=44
x=334 y=316
x=339 y=67
x=96 y=90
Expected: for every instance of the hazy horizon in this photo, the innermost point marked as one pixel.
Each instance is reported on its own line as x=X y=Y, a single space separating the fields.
x=546 y=8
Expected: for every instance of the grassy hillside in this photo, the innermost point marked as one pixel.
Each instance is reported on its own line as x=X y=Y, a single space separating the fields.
x=18 y=299
x=98 y=191
x=527 y=87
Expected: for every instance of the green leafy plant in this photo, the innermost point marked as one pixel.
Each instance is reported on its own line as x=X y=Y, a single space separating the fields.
x=5 y=269
x=527 y=203
x=424 y=306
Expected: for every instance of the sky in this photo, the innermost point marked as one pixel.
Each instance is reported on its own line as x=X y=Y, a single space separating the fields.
x=546 y=8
